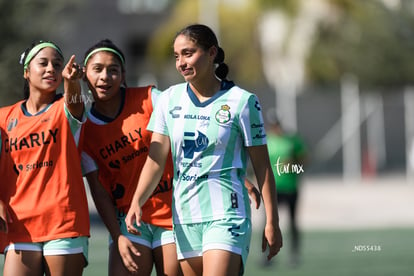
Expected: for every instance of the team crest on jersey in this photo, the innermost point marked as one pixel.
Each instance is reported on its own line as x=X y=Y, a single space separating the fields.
x=223 y=115
x=12 y=124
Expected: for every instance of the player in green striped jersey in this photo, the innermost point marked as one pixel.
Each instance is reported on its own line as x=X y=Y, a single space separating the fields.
x=212 y=127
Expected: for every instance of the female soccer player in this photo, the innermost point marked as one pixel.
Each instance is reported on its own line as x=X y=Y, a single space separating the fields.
x=43 y=185
x=115 y=148
x=212 y=126
x=4 y=214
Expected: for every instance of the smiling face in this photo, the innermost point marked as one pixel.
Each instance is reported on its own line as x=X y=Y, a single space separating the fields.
x=193 y=62
x=44 y=72
x=104 y=75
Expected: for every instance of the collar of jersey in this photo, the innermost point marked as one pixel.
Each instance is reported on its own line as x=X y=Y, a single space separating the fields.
x=26 y=113
x=225 y=86
x=104 y=118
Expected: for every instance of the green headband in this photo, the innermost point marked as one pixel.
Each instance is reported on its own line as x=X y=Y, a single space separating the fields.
x=104 y=49
x=36 y=50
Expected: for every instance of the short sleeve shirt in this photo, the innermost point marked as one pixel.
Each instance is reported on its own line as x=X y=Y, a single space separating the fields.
x=208 y=144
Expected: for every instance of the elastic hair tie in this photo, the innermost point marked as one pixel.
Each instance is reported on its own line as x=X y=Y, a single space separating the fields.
x=25 y=60
x=104 y=49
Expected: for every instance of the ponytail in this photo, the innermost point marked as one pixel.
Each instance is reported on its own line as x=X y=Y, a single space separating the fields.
x=222 y=69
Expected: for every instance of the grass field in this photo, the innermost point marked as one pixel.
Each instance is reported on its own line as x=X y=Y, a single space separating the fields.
x=391 y=252
x=333 y=253
x=339 y=253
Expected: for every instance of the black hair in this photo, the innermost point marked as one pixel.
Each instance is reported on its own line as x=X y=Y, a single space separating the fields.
x=203 y=36
x=26 y=87
x=107 y=43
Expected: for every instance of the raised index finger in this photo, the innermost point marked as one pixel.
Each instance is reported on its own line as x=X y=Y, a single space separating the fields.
x=71 y=61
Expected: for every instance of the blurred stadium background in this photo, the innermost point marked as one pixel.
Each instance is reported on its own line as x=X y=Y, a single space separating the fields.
x=339 y=72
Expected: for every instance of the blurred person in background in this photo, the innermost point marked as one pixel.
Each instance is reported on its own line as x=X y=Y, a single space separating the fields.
x=287 y=152
x=212 y=127
x=42 y=185
x=116 y=144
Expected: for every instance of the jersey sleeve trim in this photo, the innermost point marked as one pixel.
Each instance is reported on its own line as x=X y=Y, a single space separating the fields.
x=88 y=164
x=75 y=124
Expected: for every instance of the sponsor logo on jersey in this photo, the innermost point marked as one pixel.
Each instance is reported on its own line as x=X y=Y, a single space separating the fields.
x=12 y=124
x=191 y=164
x=257 y=106
x=233 y=230
x=114 y=164
x=194 y=145
x=196 y=117
x=256 y=125
x=32 y=140
x=192 y=178
x=259 y=127
x=32 y=166
x=134 y=154
x=173 y=114
x=120 y=143
x=259 y=135
x=39 y=165
x=223 y=114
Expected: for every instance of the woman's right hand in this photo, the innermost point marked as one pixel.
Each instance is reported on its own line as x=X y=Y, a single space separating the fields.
x=126 y=247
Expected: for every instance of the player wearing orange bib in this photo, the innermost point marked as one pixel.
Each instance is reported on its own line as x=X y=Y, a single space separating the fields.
x=43 y=186
x=122 y=146
x=116 y=144
x=4 y=214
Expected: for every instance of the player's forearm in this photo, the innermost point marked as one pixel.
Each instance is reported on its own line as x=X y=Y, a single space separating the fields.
x=153 y=168
x=105 y=208
x=73 y=98
x=270 y=201
x=265 y=180
x=72 y=74
x=148 y=181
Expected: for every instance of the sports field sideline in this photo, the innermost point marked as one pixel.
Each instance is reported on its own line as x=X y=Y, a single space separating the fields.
x=329 y=203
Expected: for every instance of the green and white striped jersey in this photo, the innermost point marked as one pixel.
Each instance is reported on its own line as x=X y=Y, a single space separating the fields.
x=208 y=144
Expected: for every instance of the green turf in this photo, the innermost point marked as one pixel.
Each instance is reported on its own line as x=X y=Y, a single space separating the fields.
x=386 y=252
x=323 y=253
x=98 y=252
